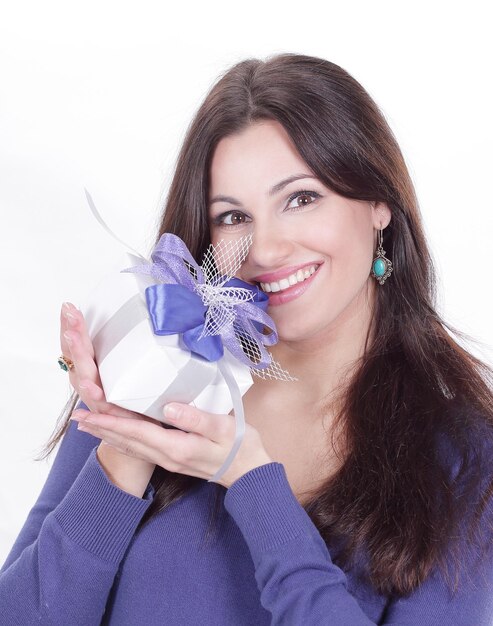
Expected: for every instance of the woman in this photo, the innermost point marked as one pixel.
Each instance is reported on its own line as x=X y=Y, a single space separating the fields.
x=362 y=493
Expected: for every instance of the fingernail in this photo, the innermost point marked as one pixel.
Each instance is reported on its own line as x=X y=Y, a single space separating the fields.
x=170 y=410
x=70 y=317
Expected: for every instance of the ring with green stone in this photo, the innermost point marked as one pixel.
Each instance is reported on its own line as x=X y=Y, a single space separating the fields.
x=65 y=363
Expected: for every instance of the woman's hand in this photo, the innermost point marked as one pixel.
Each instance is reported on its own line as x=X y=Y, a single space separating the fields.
x=131 y=475
x=199 y=449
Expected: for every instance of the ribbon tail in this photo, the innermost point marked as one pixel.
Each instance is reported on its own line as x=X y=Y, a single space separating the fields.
x=239 y=418
x=97 y=215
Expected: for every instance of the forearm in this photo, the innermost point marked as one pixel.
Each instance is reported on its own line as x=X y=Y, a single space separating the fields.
x=66 y=574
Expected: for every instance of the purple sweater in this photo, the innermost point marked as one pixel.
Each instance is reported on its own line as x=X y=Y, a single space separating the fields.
x=78 y=560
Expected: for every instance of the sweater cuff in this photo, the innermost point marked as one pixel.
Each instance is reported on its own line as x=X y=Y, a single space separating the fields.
x=265 y=508
x=98 y=515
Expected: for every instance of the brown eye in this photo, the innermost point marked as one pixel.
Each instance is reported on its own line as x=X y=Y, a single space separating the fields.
x=237 y=219
x=303 y=195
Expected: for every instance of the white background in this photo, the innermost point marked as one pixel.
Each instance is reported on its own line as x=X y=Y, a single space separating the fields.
x=99 y=95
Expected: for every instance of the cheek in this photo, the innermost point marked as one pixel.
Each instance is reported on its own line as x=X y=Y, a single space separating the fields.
x=213 y=237
x=222 y=243
x=222 y=237
x=348 y=247
x=326 y=237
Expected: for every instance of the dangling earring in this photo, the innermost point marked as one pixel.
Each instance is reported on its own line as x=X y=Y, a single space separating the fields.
x=381 y=266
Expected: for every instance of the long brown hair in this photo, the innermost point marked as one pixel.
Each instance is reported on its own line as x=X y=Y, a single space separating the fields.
x=418 y=411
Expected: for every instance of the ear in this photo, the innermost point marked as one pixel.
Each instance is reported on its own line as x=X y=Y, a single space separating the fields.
x=381 y=215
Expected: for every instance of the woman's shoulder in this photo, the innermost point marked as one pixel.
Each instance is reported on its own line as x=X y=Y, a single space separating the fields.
x=466 y=454
x=465 y=440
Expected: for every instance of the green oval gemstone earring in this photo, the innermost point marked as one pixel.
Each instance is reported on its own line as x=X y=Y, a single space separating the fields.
x=381 y=266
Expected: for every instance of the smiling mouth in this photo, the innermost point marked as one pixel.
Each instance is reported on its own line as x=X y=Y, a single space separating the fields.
x=284 y=284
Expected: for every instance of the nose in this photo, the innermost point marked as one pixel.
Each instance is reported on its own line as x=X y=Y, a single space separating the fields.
x=271 y=249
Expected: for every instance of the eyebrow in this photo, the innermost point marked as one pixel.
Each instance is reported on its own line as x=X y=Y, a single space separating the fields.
x=275 y=189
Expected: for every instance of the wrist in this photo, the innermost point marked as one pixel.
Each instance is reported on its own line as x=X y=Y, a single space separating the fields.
x=127 y=473
x=258 y=462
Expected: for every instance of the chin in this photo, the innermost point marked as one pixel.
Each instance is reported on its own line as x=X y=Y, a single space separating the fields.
x=292 y=330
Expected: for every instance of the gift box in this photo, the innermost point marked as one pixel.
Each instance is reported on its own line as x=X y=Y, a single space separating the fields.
x=140 y=370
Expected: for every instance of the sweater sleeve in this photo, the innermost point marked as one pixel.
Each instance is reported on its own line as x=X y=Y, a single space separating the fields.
x=62 y=566
x=299 y=583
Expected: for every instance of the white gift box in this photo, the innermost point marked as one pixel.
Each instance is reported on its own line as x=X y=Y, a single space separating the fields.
x=141 y=371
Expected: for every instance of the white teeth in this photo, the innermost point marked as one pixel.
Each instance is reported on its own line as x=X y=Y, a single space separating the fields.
x=292 y=279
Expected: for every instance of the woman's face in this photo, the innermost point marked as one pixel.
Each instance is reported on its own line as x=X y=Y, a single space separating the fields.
x=318 y=227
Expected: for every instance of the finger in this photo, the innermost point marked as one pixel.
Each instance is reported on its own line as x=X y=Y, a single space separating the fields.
x=170 y=449
x=213 y=426
x=84 y=364
x=77 y=345
x=63 y=328
x=75 y=341
x=80 y=345
x=65 y=345
x=77 y=322
x=73 y=320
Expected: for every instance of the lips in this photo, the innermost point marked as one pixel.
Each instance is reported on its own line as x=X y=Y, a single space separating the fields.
x=284 y=273
x=293 y=292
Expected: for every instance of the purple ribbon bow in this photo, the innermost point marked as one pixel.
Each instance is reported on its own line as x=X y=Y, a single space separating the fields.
x=176 y=305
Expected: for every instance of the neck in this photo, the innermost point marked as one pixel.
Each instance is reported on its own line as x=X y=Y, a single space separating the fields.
x=323 y=361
